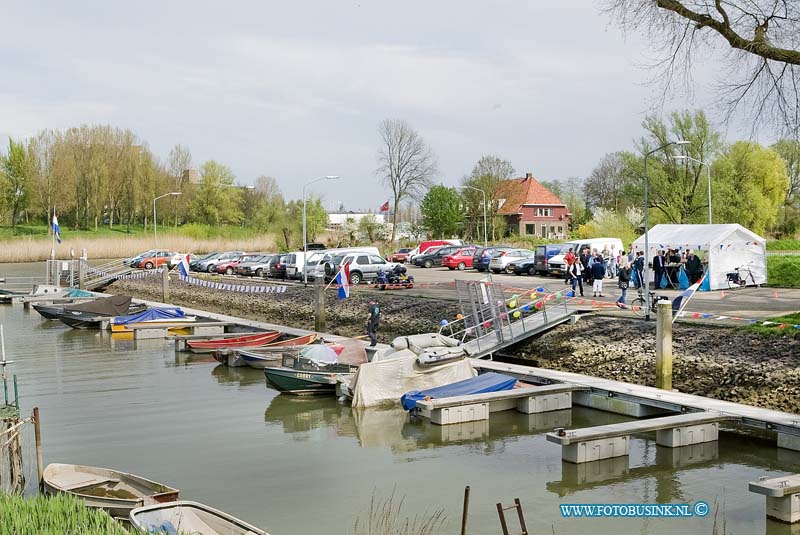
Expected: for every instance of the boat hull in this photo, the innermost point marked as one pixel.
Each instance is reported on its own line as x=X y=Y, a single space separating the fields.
x=208 y=346
x=300 y=382
x=118 y=493
x=190 y=517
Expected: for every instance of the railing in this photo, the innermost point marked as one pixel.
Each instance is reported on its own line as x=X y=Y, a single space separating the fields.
x=21 y=284
x=99 y=275
x=65 y=273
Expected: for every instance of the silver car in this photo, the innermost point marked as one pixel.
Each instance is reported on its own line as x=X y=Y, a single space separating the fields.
x=363 y=266
x=502 y=259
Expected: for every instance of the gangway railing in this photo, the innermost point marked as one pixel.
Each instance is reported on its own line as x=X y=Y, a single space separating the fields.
x=97 y=276
x=65 y=273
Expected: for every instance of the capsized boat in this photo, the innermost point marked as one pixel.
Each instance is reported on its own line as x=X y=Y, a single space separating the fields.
x=486 y=382
x=314 y=371
x=172 y=317
x=116 y=492
x=189 y=517
x=248 y=340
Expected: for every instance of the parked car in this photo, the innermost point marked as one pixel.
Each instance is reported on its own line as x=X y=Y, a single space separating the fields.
x=199 y=263
x=277 y=267
x=229 y=266
x=500 y=262
x=176 y=259
x=363 y=267
x=315 y=264
x=255 y=266
x=482 y=256
x=556 y=264
x=425 y=247
x=434 y=259
x=158 y=259
x=460 y=260
x=211 y=266
x=401 y=255
x=134 y=261
x=539 y=263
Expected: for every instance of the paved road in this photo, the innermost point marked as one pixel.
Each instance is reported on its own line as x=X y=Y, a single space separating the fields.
x=746 y=302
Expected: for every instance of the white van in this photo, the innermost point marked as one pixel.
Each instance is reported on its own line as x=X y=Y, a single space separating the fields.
x=557 y=264
x=315 y=265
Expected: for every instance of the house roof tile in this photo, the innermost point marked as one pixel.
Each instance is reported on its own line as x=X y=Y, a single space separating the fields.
x=518 y=192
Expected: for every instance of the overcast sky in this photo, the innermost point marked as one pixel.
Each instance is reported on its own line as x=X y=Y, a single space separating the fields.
x=296 y=90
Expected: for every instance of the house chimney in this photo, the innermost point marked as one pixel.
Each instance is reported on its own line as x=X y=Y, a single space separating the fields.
x=528 y=176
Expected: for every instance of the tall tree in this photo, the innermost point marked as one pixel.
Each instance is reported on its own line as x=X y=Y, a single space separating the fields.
x=609 y=181
x=789 y=222
x=17 y=173
x=216 y=200
x=406 y=163
x=441 y=211
x=751 y=186
x=180 y=160
x=486 y=175
x=758 y=39
x=571 y=192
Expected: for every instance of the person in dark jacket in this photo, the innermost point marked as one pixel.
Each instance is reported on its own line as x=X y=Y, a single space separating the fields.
x=598 y=271
x=623 y=280
x=584 y=260
x=659 y=265
x=638 y=267
x=575 y=277
x=373 y=321
x=694 y=267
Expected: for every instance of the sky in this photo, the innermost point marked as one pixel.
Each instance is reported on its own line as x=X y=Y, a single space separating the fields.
x=296 y=90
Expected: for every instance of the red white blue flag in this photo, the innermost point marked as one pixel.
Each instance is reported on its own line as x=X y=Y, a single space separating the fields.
x=343 y=281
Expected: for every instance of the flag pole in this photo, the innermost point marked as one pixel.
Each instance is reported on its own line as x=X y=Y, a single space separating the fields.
x=53 y=232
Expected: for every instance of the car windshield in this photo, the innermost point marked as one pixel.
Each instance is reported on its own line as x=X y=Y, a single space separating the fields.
x=336 y=260
x=404 y=250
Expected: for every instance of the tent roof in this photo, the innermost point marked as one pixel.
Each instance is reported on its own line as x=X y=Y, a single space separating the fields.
x=694 y=235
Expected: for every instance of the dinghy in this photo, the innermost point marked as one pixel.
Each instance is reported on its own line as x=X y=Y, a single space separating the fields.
x=250 y=340
x=189 y=517
x=116 y=492
x=171 y=317
x=301 y=375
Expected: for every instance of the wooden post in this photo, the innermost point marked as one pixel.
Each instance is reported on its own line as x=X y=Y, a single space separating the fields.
x=38 y=434
x=319 y=305
x=465 y=511
x=164 y=285
x=664 y=345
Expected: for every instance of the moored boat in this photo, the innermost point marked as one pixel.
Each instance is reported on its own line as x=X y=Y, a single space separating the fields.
x=189 y=517
x=116 y=492
x=85 y=315
x=250 y=340
x=172 y=318
x=299 y=375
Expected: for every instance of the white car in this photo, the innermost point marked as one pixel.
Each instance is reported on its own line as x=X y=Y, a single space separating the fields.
x=176 y=259
x=501 y=260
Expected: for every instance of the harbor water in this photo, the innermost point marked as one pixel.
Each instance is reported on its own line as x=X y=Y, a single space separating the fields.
x=294 y=465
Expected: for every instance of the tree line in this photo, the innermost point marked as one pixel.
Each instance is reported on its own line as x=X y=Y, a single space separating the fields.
x=99 y=175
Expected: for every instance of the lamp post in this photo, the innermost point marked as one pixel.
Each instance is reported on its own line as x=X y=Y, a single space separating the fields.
x=708 y=169
x=646 y=271
x=305 y=244
x=155 y=218
x=483 y=193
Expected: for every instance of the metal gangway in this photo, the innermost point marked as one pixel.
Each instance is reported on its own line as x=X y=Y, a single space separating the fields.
x=490 y=321
x=104 y=274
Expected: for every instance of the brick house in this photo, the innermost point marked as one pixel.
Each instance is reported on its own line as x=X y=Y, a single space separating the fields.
x=530 y=209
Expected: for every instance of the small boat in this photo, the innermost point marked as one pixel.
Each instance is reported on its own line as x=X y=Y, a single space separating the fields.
x=49 y=312
x=116 y=492
x=486 y=382
x=250 y=340
x=84 y=315
x=189 y=517
x=172 y=318
x=266 y=350
x=299 y=375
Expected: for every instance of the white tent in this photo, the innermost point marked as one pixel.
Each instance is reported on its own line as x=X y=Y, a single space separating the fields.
x=724 y=247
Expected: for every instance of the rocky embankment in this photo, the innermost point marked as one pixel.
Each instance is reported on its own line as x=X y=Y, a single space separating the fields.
x=719 y=362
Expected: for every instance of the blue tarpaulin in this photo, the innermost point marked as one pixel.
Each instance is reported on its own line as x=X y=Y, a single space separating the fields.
x=487 y=382
x=151 y=314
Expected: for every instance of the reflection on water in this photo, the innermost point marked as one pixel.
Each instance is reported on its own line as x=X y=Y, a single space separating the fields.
x=293 y=464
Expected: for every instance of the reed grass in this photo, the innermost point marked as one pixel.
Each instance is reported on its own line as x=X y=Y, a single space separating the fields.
x=54 y=515
x=385 y=517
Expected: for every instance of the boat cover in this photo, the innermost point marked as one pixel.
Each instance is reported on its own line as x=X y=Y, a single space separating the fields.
x=486 y=382
x=151 y=314
x=77 y=292
x=383 y=382
x=104 y=306
x=320 y=353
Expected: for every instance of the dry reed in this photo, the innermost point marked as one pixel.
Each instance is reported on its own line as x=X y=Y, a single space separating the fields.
x=384 y=518
x=35 y=250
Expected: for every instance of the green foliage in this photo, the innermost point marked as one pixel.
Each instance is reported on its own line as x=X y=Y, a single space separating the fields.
x=54 y=515
x=369 y=227
x=571 y=193
x=751 y=186
x=441 y=211
x=16 y=183
x=777 y=330
x=216 y=200
x=783 y=245
x=612 y=224
x=782 y=271
x=486 y=176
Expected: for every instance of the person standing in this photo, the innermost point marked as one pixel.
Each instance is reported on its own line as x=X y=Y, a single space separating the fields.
x=575 y=277
x=694 y=267
x=638 y=267
x=623 y=280
x=570 y=259
x=598 y=274
x=584 y=261
x=658 y=269
x=373 y=321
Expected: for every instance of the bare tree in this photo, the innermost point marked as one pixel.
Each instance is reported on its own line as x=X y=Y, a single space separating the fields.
x=605 y=185
x=758 y=39
x=406 y=162
x=487 y=175
x=180 y=160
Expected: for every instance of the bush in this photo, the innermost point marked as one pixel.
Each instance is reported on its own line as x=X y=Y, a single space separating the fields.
x=783 y=271
x=52 y=515
x=783 y=245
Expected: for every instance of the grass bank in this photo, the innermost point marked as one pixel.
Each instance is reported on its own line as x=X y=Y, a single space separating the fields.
x=783 y=326
x=54 y=515
x=783 y=271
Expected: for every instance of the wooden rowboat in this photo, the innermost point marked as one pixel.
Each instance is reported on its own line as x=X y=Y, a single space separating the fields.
x=222 y=354
x=250 y=340
x=189 y=517
x=116 y=492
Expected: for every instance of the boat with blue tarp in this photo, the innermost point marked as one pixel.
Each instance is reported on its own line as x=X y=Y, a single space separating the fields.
x=171 y=317
x=486 y=382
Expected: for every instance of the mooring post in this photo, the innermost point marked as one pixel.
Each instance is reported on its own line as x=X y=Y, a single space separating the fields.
x=319 y=305
x=664 y=345
x=465 y=511
x=164 y=285
x=38 y=433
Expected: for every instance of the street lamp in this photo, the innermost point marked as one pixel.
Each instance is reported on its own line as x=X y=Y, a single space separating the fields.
x=646 y=272
x=155 y=218
x=708 y=169
x=305 y=244
x=483 y=193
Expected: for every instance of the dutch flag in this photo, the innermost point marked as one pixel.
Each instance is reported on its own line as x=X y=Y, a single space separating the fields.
x=184 y=265
x=56 y=228
x=343 y=281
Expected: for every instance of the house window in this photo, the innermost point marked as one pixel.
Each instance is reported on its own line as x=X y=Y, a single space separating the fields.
x=560 y=230
x=530 y=229
x=544 y=212
x=552 y=230
x=544 y=231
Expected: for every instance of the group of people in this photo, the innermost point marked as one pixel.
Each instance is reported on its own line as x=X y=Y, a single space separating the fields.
x=591 y=267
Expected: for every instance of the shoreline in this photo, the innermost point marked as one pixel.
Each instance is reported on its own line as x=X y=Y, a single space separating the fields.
x=724 y=363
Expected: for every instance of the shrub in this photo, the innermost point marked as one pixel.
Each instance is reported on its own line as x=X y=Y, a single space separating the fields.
x=783 y=271
x=52 y=515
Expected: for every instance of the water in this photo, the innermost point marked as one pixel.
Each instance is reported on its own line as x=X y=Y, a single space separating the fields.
x=295 y=465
